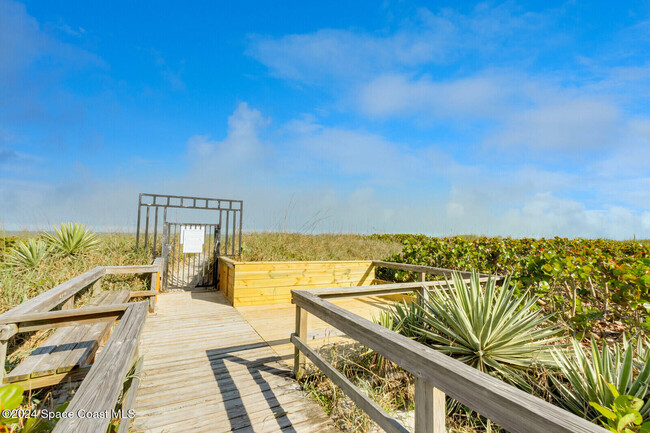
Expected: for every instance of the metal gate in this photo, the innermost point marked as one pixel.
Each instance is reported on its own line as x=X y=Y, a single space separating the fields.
x=189 y=255
x=230 y=214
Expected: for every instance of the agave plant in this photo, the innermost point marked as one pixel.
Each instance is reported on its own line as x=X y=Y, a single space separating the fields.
x=488 y=328
x=72 y=239
x=625 y=367
x=28 y=254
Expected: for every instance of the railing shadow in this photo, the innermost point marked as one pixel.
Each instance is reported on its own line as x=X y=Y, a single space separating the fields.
x=233 y=400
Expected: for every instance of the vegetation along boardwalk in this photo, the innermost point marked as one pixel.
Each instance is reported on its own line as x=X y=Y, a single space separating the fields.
x=206 y=369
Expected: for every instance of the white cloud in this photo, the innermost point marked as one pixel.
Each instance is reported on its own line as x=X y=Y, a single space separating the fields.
x=332 y=179
x=397 y=95
x=342 y=54
x=335 y=56
x=572 y=124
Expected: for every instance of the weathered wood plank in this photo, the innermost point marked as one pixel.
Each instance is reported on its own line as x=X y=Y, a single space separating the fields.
x=374 y=411
x=68 y=347
x=419 y=268
x=301 y=332
x=55 y=379
x=133 y=269
x=64 y=318
x=509 y=407
x=232 y=378
x=380 y=289
x=430 y=408
x=92 y=337
x=53 y=297
x=129 y=398
x=101 y=388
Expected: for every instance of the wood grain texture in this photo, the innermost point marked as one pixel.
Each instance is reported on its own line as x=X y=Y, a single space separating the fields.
x=430 y=408
x=68 y=348
x=101 y=388
x=55 y=296
x=507 y=406
x=374 y=411
x=425 y=269
x=67 y=318
x=205 y=369
x=134 y=269
x=129 y=397
x=275 y=322
x=259 y=283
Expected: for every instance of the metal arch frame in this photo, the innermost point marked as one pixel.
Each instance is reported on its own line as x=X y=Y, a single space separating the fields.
x=228 y=210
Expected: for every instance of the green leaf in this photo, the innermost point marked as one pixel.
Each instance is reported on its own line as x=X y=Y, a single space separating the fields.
x=11 y=396
x=613 y=390
x=607 y=413
x=626 y=420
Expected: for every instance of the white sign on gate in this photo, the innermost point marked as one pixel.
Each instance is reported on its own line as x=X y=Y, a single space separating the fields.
x=192 y=238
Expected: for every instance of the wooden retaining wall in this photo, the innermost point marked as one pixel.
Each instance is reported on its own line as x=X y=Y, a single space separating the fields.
x=258 y=283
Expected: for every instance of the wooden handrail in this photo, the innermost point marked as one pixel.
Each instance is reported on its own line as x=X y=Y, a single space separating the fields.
x=133 y=269
x=55 y=296
x=59 y=294
x=444 y=272
x=383 y=289
x=35 y=313
x=436 y=375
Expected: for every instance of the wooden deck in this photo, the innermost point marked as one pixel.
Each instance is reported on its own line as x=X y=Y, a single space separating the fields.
x=276 y=322
x=206 y=369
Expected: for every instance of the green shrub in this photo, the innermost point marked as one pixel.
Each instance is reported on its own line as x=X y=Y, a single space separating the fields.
x=627 y=369
x=490 y=329
x=28 y=254
x=623 y=416
x=72 y=239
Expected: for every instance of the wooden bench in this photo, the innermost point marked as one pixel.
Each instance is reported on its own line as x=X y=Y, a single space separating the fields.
x=68 y=352
x=100 y=390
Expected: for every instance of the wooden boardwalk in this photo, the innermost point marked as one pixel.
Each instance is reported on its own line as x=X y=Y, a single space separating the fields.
x=207 y=370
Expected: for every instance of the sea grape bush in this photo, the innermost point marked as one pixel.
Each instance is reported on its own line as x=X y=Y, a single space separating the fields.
x=584 y=280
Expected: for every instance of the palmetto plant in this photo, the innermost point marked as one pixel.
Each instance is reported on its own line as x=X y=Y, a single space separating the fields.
x=72 y=239
x=488 y=328
x=28 y=254
x=626 y=367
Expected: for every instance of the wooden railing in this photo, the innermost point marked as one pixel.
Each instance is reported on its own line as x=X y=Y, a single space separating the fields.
x=102 y=384
x=436 y=375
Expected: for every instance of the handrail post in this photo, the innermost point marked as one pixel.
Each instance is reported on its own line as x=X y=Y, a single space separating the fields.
x=430 y=408
x=6 y=332
x=301 y=332
x=153 y=286
x=423 y=292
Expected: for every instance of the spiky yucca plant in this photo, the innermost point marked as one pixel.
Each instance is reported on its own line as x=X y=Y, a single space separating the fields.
x=626 y=367
x=488 y=328
x=72 y=239
x=28 y=254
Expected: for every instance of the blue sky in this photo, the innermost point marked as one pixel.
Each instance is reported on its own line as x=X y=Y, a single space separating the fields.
x=514 y=118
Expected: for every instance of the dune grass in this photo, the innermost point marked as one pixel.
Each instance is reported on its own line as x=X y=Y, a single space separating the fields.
x=280 y=246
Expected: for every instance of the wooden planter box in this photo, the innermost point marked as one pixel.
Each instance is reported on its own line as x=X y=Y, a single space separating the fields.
x=259 y=283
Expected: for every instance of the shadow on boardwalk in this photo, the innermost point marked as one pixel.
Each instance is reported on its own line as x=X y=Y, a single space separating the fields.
x=238 y=416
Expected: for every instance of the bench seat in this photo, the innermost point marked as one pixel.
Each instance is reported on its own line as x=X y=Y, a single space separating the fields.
x=67 y=353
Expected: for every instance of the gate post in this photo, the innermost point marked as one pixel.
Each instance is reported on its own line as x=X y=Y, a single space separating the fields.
x=215 y=255
x=165 y=254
